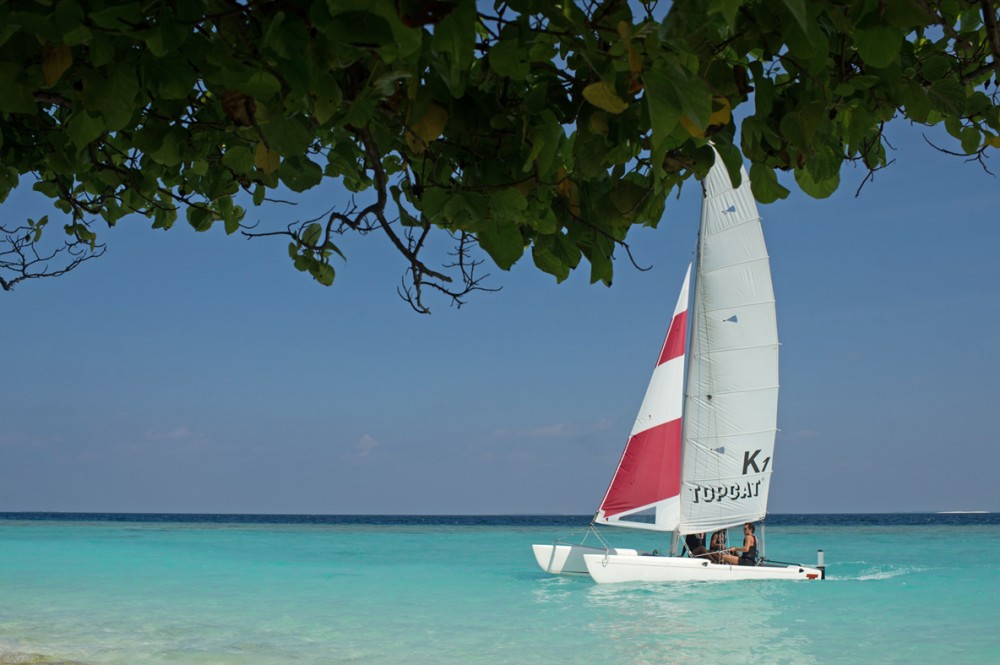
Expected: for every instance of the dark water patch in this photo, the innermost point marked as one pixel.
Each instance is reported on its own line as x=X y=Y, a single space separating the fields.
x=845 y=519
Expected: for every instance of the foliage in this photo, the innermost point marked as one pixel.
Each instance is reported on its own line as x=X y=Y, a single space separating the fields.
x=531 y=125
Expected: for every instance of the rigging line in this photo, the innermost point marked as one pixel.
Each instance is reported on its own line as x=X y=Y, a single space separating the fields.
x=716 y=437
x=756 y=259
x=743 y=304
x=735 y=225
x=775 y=347
x=741 y=391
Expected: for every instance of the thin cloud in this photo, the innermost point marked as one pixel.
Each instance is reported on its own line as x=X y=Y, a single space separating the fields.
x=365 y=447
x=567 y=430
x=180 y=440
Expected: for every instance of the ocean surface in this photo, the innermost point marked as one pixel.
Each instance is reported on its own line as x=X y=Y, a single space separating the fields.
x=151 y=589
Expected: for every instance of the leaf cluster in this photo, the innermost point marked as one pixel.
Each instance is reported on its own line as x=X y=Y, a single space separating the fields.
x=549 y=128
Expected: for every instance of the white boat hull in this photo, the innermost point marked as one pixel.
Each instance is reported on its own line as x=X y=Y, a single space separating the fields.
x=611 y=568
x=560 y=559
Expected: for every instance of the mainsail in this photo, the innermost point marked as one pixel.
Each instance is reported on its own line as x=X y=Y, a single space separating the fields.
x=648 y=475
x=699 y=454
x=731 y=400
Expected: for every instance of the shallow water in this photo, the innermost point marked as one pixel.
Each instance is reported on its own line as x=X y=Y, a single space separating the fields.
x=86 y=589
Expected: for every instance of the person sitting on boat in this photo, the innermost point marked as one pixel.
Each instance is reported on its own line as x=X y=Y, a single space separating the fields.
x=695 y=543
x=748 y=553
x=717 y=546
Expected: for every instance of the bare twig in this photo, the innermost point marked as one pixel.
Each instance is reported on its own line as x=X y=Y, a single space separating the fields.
x=20 y=259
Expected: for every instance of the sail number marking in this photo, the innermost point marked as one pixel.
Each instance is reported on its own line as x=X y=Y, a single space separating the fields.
x=734 y=492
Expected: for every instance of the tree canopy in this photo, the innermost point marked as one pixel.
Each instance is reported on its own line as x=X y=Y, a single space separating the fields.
x=506 y=128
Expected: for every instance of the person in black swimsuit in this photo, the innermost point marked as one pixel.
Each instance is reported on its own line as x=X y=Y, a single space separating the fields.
x=695 y=543
x=718 y=546
x=747 y=553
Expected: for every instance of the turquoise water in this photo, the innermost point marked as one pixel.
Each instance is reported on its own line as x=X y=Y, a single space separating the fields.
x=220 y=592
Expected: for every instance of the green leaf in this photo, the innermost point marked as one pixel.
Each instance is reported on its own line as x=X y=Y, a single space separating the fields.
x=102 y=50
x=543 y=221
x=728 y=8
x=509 y=203
x=907 y=14
x=311 y=234
x=454 y=36
x=17 y=97
x=733 y=160
x=327 y=100
x=971 y=140
x=545 y=136
x=288 y=136
x=603 y=96
x=551 y=254
x=935 y=66
x=171 y=150
x=360 y=28
x=239 y=159
x=765 y=185
x=260 y=84
x=799 y=11
x=689 y=93
x=169 y=77
x=322 y=273
x=502 y=241
x=200 y=217
x=83 y=127
x=664 y=111
x=300 y=173
x=507 y=58
x=627 y=198
x=118 y=17
x=122 y=87
x=878 y=46
x=916 y=102
x=231 y=214
x=817 y=190
x=601 y=269
x=947 y=95
x=164 y=217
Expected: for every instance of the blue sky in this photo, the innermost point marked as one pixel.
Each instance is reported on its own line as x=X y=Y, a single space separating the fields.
x=188 y=372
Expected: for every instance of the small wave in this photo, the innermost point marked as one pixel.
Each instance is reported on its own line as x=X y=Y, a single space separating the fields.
x=883 y=574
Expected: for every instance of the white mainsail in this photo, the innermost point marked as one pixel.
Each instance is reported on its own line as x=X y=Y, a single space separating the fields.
x=731 y=395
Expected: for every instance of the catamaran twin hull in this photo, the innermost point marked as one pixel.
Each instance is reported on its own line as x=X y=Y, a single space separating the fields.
x=607 y=565
x=562 y=559
x=605 y=568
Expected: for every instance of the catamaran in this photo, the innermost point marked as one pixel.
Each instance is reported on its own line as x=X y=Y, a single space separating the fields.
x=699 y=457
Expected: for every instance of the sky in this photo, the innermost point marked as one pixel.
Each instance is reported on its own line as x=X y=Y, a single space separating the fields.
x=201 y=373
